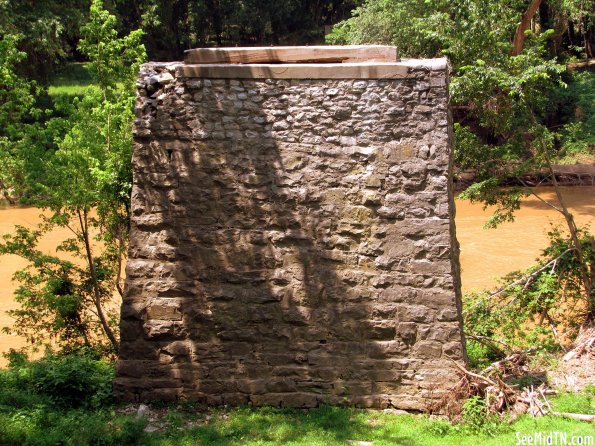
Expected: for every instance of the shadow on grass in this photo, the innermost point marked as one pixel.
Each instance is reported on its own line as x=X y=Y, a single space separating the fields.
x=70 y=81
x=323 y=426
x=75 y=73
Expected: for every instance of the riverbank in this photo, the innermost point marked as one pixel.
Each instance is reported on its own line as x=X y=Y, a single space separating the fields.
x=581 y=174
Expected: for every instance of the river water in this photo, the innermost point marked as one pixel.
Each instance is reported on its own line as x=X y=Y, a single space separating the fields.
x=486 y=254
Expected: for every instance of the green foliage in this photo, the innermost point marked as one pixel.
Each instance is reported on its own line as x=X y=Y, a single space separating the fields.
x=64 y=381
x=461 y=29
x=71 y=381
x=113 y=60
x=44 y=427
x=51 y=27
x=17 y=98
x=533 y=306
x=92 y=166
x=85 y=182
x=174 y=26
x=62 y=400
x=577 y=104
x=16 y=94
x=479 y=355
x=477 y=419
x=48 y=29
x=55 y=297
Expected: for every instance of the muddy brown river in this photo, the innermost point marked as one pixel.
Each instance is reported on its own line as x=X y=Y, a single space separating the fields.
x=486 y=254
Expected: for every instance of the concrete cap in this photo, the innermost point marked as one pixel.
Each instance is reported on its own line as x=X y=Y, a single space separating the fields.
x=360 y=70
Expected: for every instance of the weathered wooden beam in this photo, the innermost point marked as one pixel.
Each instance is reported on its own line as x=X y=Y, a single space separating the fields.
x=292 y=54
x=296 y=71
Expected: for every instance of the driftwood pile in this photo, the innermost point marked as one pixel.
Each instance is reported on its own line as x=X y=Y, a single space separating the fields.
x=495 y=384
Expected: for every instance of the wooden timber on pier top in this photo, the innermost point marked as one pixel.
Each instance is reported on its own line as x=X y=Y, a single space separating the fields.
x=303 y=62
x=292 y=54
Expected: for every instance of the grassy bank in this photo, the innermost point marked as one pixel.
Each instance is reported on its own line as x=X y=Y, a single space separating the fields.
x=262 y=426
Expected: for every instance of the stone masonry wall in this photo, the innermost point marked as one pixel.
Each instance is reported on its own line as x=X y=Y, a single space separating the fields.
x=292 y=242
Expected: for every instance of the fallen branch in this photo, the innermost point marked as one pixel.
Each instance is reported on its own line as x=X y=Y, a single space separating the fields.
x=500 y=396
x=583 y=64
x=575 y=416
x=489 y=343
x=471 y=374
x=527 y=279
x=585 y=343
x=516 y=359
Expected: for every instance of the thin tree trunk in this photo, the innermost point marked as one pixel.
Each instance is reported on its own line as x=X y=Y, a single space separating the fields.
x=519 y=36
x=96 y=292
x=9 y=198
x=119 y=266
x=586 y=275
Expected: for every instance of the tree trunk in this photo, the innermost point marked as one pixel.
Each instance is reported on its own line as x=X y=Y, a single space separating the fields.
x=96 y=292
x=519 y=36
x=587 y=273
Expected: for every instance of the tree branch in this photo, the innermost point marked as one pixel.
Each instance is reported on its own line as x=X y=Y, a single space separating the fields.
x=538 y=197
x=519 y=36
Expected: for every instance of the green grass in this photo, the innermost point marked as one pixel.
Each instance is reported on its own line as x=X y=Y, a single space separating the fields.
x=576 y=403
x=70 y=81
x=264 y=426
x=340 y=426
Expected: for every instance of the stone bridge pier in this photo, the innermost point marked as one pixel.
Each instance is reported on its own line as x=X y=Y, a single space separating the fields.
x=292 y=239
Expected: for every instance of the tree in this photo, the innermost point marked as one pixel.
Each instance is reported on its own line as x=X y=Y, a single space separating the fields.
x=49 y=30
x=86 y=185
x=17 y=99
x=174 y=26
x=519 y=35
x=501 y=91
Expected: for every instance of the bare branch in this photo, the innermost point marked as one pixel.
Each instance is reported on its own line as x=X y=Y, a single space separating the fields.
x=538 y=197
x=523 y=279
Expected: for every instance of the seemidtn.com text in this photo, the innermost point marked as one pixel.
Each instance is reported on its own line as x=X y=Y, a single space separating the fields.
x=554 y=438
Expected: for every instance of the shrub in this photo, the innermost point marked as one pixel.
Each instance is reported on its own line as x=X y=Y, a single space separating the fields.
x=533 y=307
x=66 y=381
x=477 y=419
